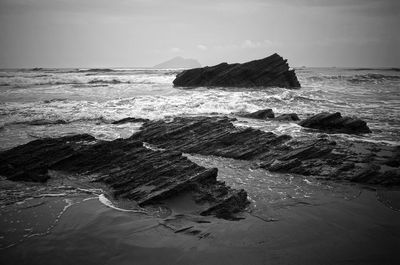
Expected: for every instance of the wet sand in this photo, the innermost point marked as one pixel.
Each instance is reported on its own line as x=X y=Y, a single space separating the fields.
x=359 y=231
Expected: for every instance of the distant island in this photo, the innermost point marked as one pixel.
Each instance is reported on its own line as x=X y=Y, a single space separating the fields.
x=179 y=62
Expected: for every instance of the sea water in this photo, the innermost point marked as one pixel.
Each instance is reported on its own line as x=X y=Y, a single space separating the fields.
x=38 y=103
x=54 y=102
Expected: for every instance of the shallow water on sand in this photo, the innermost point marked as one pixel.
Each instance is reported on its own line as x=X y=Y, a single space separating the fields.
x=291 y=219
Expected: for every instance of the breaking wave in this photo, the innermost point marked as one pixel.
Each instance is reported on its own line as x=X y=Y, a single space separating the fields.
x=355 y=78
x=96 y=70
x=90 y=103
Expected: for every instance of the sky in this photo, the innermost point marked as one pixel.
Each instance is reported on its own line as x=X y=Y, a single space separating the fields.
x=134 y=33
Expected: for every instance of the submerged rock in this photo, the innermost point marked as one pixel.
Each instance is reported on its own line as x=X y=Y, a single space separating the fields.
x=321 y=156
x=335 y=123
x=46 y=122
x=129 y=119
x=272 y=71
x=260 y=114
x=267 y=114
x=288 y=117
x=130 y=169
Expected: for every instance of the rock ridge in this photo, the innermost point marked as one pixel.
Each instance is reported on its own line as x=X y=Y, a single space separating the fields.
x=272 y=71
x=130 y=169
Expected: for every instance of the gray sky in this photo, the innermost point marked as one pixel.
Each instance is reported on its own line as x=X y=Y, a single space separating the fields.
x=124 y=33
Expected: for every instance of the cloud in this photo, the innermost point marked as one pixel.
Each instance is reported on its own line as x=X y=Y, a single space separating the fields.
x=175 y=49
x=249 y=44
x=246 y=44
x=201 y=47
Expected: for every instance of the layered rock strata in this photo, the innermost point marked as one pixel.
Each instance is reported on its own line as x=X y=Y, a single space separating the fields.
x=335 y=123
x=353 y=161
x=130 y=169
x=272 y=71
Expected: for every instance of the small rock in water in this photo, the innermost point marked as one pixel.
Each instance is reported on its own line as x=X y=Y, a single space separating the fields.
x=288 y=117
x=335 y=123
x=129 y=119
x=260 y=114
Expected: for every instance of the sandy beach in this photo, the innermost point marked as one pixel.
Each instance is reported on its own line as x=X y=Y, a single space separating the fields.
x=78 y=228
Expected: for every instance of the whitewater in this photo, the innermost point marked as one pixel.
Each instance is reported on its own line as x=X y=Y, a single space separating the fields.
x=72 y=219
x=37 y=103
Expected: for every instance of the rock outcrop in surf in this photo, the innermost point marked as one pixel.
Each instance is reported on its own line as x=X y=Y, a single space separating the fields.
x=355 y=161
x=260 y=114
x=335 y=123
x=129 y=119
x=156 y=171
x=272 y=71
x=128 y=167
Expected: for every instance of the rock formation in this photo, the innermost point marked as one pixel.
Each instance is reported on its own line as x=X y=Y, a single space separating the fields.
x=272 y=71
x=335 y=123
x=267 y=114
x=130 y=169
x=129 y=119
x=259 y=114
x=149 y=176
x=288 y=117
x=316 y=156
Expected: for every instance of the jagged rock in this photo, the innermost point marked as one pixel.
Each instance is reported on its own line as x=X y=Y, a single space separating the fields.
x=130 y=169
x=46 y=122
x=321 y=156
x=260 y=114
x=233 y=204
x=335 y=123
x=210 y=136
x=272 y=71
x=288 y=117
x=31 y=161
x=129 y=119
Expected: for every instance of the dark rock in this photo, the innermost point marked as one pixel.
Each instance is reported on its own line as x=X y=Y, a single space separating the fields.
x=335 y=123
x=272 y=71
x=278 y=165
x=367 y=174
x=46 y=122
x=233 y=204
x=129 y=119
x=210 y=136
x=101 y=81
x=130 y=169
x=288 y=117
x=260 y=114
x=30 y=162
x=320 y=156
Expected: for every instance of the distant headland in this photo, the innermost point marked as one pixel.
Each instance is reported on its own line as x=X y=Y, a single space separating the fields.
x=178 y=62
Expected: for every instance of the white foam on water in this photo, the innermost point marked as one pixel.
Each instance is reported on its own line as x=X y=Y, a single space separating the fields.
x=51 y=195
x=147 y=93
x=104 y=200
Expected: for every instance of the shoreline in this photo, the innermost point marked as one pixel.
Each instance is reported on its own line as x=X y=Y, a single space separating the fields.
x=359 y=231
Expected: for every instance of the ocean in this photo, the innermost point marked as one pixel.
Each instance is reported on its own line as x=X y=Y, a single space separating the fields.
x=92 y=228
x=53 y=102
